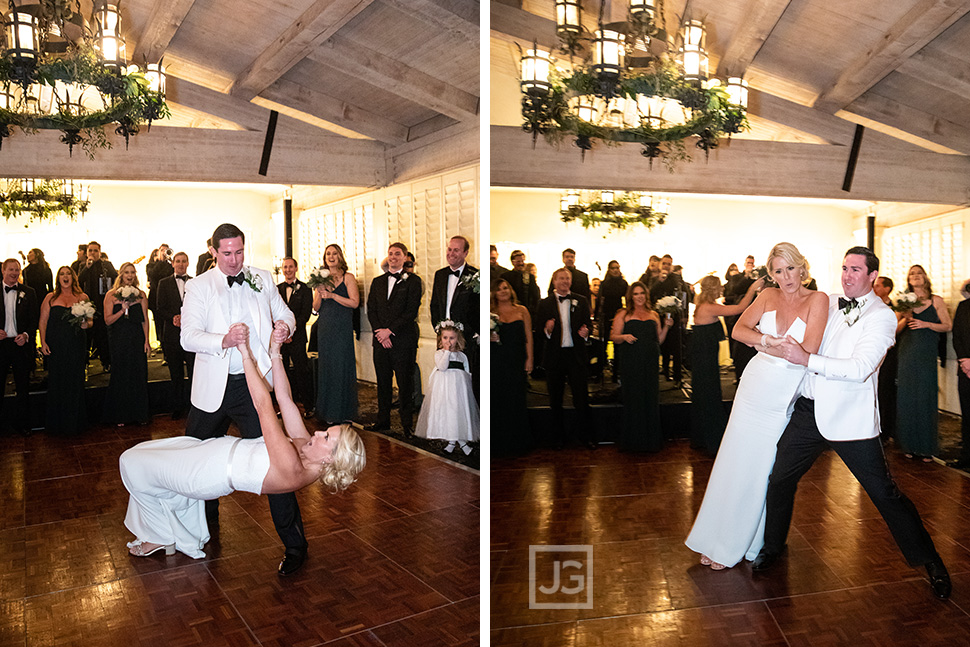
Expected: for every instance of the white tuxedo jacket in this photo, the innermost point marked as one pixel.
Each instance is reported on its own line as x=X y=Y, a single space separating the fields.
x=846 y=370
x=205 y=321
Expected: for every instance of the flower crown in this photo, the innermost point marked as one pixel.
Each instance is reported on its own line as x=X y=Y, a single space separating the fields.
x=448 y=323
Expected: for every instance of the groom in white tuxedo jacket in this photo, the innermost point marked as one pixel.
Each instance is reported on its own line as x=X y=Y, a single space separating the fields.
x=232 y=293
x=838 y=409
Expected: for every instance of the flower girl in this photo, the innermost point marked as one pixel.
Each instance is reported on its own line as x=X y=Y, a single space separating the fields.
x=450 y=411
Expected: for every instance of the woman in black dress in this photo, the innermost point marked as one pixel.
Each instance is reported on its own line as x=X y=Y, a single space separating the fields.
x=337 y=363
x=64 y=343
x=511 y=360
x=707 y=415
x=637 y=334
x=125 y=316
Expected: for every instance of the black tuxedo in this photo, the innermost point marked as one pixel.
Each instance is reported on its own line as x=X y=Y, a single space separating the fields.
x=179 y=362
x=398 y=313
x=95 y=280
x=464 y=310
x=672 y=348
x=580 y=284
x=526 y=289
x=156 y=272
x=301 y=303
x=961 y=344
x=734 y=291
x=204 y=263
x=566 y=364
x=19 y=358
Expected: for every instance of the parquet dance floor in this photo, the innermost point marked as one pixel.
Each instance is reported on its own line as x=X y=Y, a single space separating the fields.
x=392 y=561
x=842 y=582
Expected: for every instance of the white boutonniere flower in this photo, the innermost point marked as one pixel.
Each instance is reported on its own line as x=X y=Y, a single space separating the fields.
x=574 y=303
x=853 y=310
x=21 y=294
x=404 y=276
x=255 y=281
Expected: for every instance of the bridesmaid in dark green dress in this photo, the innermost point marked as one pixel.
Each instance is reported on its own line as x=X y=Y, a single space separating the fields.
x=510 y=354
x=707 y=416
x=65 y=345
x=336 y=363
x=917 y=400
x=637 y=334
x=127 y=397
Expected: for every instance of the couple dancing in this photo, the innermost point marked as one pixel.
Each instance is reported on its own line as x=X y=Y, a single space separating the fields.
x=234 y=319
x=785 y=416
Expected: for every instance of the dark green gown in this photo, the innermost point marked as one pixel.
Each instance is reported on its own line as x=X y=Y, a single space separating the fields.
x=336 y=364
x=640 y=378
x=707 y=416
x=511 y=434
x=127 y=397
x=66 y=412
x=917 y=406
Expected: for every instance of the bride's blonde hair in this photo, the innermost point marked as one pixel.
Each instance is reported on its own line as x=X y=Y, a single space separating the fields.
x=790 y=254
x=349 y=459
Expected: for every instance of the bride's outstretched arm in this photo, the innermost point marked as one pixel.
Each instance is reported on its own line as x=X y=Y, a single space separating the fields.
x=292 y=419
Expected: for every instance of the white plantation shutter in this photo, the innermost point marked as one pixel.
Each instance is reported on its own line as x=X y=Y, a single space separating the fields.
x=936 y=244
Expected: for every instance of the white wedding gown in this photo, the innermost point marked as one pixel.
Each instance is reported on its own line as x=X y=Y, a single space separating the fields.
x=170 y=479
x=731 y=522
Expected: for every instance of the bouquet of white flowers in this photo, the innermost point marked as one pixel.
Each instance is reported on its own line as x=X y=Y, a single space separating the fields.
x=667 y=305
x=904 y=301
x=128 y=294
x=493 y=325
x=320 y=276
x=81 y=313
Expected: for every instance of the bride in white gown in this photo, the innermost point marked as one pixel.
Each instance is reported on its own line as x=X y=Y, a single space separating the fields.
x=170 y=479
x=730 y=523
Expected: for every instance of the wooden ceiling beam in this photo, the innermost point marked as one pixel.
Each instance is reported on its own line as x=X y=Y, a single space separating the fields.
x=741 y=167
x=397 y=78
x=760 y=18
x=336 y=111
x=197 y=155
x=926 y=20
x=446 y=149
x=318 y=23
x=513 y=24
x=457 y=16
x=921 y=125
x=939 y=69
x=164 y=20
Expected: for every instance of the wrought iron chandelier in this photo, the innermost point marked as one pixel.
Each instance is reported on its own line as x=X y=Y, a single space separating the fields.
x=622 y=83
x=618 y=209
x=43 y=199
x=62 y=72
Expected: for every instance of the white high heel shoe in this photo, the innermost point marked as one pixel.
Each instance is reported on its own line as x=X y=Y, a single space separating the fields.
x=139 y=548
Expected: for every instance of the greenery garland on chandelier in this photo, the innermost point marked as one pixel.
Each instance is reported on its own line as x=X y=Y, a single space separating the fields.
x=41 y=199
x=57 y=66
x=618 y=210
x=560 y=103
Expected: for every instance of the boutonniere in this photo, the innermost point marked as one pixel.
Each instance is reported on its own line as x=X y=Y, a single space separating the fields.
x=853 y=310
x=255 y=281
x=21 y=294
x=404 y=276
x=296 y=287
x=574 y=303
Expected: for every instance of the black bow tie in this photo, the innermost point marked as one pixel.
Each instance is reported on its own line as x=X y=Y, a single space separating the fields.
x=843 y=303
x=182 y=277
x=235 y=279
x=456 y=273
x=565 y=298
x=395 y=275
x=8 y=288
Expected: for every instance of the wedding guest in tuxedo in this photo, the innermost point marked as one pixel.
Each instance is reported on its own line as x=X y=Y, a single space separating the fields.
x=81 y=261
x=836 y=410
x=526 y=289
x=580 y=280
x=565 y=320
x=205 y=261
x=96 y=280
x=38 y=275
x=612 y=291
x=737 y=286
x=157 y=271
x=16 y=342
x=392 y=309
x=651 y=275
x=453 y=299
x=671 y=350
x=917 y=398
x=336 y=397
x=171 y=295
x=494 y=268
x=883 y=287
x=127 y=319
x=961 y=346
x=64 y=343
x=299 y=299
x=219 y=390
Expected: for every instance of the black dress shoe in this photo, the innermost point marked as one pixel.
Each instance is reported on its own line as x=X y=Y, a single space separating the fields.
x=292 y=562
x=939 y=579
x=408 y=432
x=378 y=426
x=764 y=561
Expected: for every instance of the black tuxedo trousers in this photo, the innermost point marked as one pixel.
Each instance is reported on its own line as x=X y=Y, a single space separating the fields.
x=18 y=359
x=800 y=445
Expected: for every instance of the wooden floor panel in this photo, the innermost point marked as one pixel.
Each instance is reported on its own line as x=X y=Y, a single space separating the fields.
x=841 y=581
x=66 y=577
